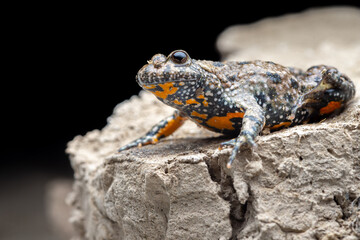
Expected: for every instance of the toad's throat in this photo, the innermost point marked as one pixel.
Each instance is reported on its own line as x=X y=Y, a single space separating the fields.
x=162 y=90
x=174 y=91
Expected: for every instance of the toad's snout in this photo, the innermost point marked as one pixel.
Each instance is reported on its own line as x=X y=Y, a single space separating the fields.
x=157 y=60
x=152 y=72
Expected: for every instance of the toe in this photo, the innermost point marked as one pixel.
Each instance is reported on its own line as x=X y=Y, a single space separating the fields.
x=229 y=143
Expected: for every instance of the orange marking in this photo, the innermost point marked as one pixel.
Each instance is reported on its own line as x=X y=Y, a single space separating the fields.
x=196 y=114
x=333 y=105
x=168 y=89
x=198 y=120
x=152 y=86
x=205 y=103
x=192 y=101
x=170 y=127
x=224 y=122
x=285 y=124
x=177 y=102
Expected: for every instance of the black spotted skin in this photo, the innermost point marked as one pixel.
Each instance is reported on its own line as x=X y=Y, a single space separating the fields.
x=239 y=98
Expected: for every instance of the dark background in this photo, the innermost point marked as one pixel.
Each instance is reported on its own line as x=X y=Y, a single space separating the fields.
x=69 y=65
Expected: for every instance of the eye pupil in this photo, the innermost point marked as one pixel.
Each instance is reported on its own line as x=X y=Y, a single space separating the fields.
x=179 y=57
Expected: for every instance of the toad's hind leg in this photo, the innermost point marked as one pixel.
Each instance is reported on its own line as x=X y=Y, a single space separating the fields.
x=253 y=122
x=332 y=92
x=160 y=130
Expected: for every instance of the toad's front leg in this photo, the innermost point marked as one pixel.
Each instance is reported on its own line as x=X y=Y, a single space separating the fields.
x=252 y=124
x=160 y=130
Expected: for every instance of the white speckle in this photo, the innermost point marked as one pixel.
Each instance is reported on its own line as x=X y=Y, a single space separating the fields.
x=281 y=116
x=208 y=93
x=267 y=116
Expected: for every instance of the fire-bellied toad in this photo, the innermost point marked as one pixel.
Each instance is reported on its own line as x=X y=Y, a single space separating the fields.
x=239 y=98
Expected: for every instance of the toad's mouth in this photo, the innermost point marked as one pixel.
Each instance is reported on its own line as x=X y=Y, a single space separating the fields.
x=150 y=74
x=147 y=80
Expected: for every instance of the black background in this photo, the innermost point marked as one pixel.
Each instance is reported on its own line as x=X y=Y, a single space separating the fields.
x=69 y=65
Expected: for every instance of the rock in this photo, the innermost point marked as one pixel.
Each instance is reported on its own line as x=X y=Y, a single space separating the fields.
x=299 y=183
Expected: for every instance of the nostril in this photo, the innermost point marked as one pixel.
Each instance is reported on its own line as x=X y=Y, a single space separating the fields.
x=157 y=64
x=157 y=60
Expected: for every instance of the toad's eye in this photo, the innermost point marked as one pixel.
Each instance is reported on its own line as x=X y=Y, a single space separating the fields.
x=179 y=57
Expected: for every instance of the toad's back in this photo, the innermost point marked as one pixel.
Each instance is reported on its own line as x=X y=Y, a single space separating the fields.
x=275 y=88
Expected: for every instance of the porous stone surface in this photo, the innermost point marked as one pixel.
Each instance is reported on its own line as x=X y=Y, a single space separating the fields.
x=299 y=183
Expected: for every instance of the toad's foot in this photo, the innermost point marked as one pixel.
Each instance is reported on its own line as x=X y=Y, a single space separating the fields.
x=146 y=140
x=232 y=142
x=160 y=130
x=238 y=143
x=332 y=92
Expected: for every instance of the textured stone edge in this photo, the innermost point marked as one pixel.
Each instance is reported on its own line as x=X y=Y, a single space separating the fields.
x=239 y=189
